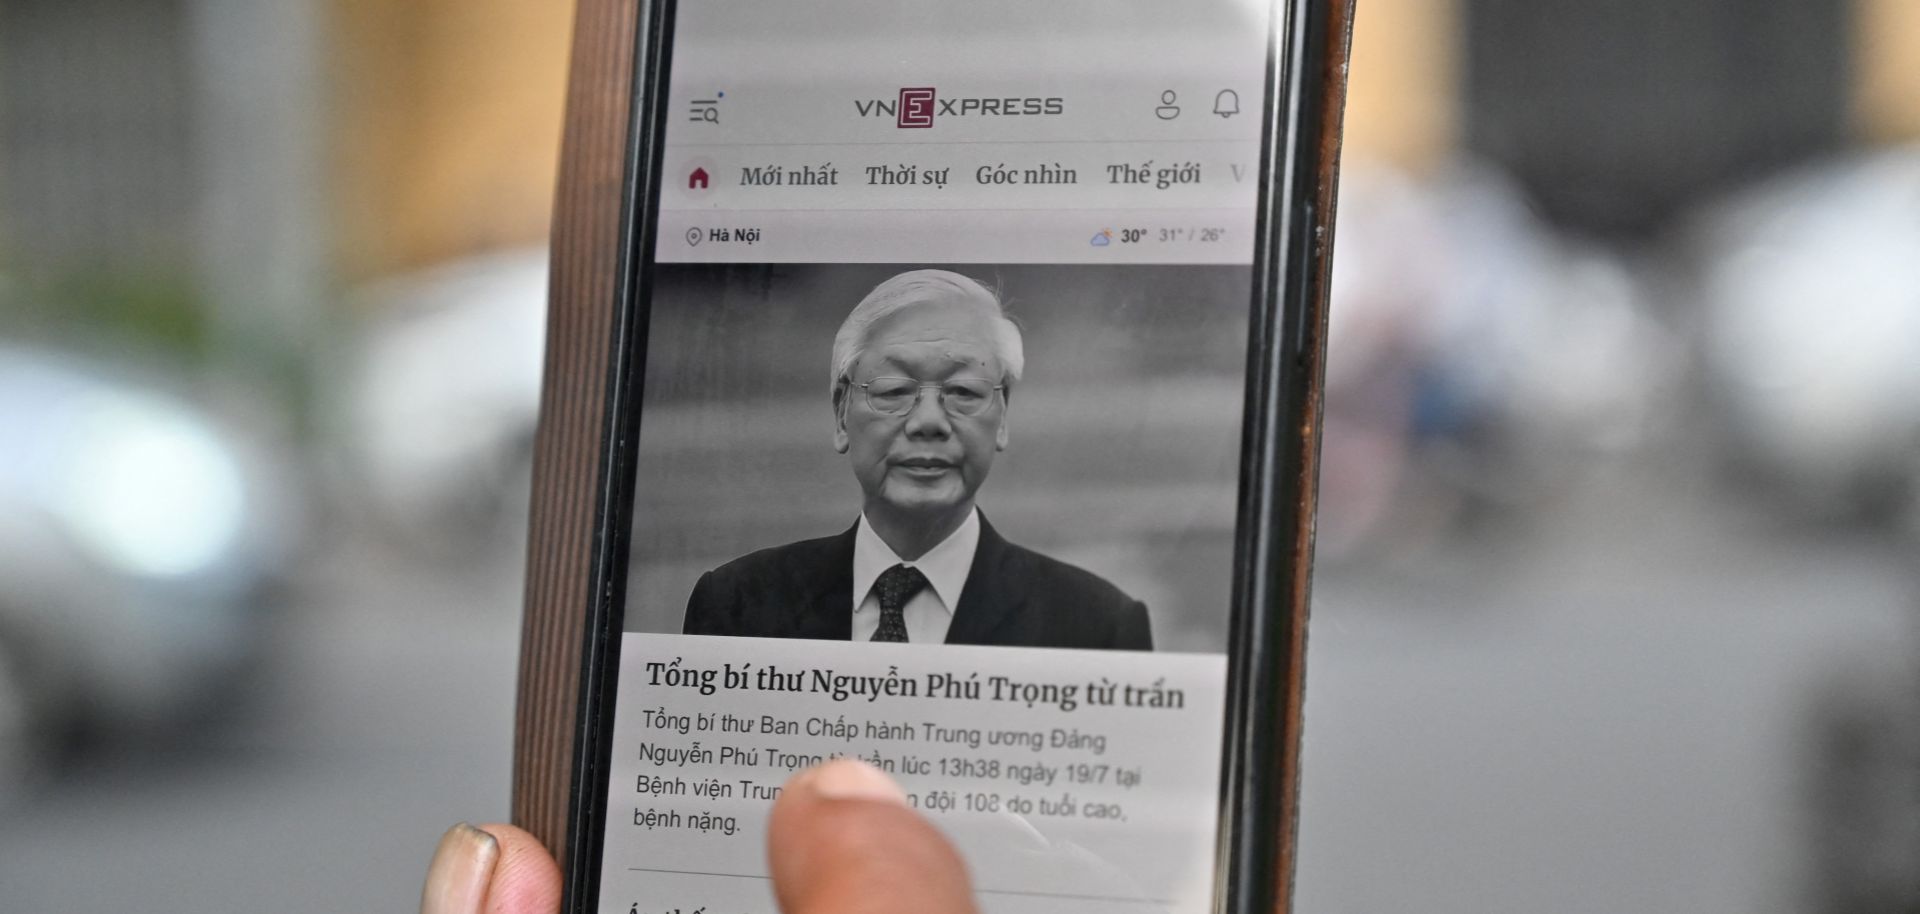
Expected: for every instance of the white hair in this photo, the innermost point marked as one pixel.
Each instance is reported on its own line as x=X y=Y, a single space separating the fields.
x=917 y=287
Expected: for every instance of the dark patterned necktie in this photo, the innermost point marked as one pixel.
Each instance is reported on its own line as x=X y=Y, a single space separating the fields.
x=895 y=587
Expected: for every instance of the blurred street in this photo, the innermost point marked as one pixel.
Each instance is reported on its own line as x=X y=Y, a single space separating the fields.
x=1614 y=708
x=1623 y=711
x=384 y=714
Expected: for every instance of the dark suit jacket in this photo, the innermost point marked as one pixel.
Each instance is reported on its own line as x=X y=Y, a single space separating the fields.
x=1013 y=596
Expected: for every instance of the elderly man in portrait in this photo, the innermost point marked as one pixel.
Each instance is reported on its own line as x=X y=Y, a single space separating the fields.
x=922 y=372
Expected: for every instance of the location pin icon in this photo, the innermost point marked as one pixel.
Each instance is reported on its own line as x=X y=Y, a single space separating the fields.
x=693 y=236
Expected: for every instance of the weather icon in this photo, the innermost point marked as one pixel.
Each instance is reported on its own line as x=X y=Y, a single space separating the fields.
x=1102 y=238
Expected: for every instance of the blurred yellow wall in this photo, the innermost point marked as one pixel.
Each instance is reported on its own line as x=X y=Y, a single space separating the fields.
x=1403 y=88
x=447 y=126
x=1887 y=96
x=1403 y=101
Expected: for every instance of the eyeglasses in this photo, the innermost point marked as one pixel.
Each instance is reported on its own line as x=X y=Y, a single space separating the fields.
x=958 y=396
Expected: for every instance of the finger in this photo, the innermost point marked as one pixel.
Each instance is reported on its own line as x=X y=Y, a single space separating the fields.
x=526 y=880
x=461 y=869
x=498 y=870
x=842 y=840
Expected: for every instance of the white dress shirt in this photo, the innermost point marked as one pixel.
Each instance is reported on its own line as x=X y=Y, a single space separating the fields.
x=930 y=611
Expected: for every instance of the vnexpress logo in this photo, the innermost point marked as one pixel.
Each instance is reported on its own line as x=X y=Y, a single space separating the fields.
x=916 y=108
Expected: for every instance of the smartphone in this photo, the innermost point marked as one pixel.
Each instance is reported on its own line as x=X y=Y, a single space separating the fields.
x=958 y=416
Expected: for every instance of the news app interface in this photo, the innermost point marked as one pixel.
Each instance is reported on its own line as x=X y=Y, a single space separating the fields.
x=938 y=456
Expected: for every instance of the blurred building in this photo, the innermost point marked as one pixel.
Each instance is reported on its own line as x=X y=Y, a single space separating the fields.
x=204 y=175
x=448 y=127
x=1617 y=116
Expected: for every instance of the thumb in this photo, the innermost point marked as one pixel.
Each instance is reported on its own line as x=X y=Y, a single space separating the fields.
x=494 y=869
x=842 y=840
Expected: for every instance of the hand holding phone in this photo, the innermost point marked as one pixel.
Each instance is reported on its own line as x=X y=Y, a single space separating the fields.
x=961 y=386
x=842 y=839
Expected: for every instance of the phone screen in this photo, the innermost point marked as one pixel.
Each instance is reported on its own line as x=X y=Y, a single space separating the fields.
x=945 y=335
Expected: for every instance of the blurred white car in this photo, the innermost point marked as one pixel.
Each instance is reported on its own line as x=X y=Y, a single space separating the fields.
x=437 y=402
x=138 y=537
x=1810 y=337
x=1810 y=285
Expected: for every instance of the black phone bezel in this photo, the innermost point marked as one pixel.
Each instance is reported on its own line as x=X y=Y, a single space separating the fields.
x=1273 y=542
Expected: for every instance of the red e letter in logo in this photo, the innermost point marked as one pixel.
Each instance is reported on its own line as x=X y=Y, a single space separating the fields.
x=916 y=108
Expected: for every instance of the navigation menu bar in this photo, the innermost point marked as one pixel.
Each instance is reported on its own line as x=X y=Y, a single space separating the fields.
x=1002 y=176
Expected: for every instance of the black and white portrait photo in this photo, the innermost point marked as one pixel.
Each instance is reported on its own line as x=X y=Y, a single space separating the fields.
x=1020 y=456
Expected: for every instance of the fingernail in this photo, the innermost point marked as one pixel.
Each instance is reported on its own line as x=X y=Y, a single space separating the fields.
x=461 y=870
x=852 y=779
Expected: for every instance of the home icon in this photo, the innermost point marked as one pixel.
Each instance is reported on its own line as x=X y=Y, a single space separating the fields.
x=697 y=180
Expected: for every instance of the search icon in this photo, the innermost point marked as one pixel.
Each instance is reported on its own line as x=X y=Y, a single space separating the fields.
x=704 y=109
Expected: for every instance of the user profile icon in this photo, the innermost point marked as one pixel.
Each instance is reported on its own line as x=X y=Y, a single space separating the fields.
x=1168 y=110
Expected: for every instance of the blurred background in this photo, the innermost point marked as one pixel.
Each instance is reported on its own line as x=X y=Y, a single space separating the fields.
x=1616 y=607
